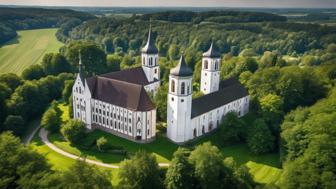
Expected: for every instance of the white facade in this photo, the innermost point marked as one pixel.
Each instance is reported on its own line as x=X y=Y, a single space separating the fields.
x=133 y=125
x=81 y=97
x=210 y=75
x=209 y=121
x=187 y=119
x=123 y=122
x=179 y=108
x=150 y=65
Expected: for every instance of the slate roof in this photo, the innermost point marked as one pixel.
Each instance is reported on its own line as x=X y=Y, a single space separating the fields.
x=120 y=93
x=181 y=69
x=212 y=53
x=230 y=90
x=133 y=75
x=150 y=47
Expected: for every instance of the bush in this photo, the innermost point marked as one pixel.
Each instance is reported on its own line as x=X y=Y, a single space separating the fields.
x=102 y=144
x=73 y=131
x=51 y=119
x=260 y=140
x=15 y=124
x=232 y=129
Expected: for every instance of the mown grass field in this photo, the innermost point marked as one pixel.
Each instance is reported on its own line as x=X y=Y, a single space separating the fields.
x=27 y=49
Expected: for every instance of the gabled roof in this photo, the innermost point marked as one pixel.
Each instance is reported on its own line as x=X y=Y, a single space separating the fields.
x=150 y=47
x=212 y=53
x=132 y=75
x=230 y=90
x=120 y=93
x=181 y=69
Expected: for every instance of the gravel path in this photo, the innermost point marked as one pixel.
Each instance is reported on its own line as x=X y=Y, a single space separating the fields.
x=44 y=137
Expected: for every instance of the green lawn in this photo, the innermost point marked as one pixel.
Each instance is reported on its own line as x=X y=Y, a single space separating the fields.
x=264 y=174
x=27 y=49
x=265 y=168
x=57 y=161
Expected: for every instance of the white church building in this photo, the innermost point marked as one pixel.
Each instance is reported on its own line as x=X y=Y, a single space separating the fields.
x=189 y=118
x=118 y=102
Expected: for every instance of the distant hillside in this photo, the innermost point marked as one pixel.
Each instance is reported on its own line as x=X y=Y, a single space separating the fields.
x=12 y=19
x=214 y=16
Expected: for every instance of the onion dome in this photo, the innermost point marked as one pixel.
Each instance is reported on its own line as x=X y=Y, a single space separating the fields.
x=212 y=53
x=150 y=47
x=181 y=69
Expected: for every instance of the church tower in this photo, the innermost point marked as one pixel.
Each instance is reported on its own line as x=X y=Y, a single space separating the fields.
x=179 y=103
x=150 y=59
x=210 y=75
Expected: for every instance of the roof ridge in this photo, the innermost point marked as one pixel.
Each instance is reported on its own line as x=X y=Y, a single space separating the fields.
x=120 y=81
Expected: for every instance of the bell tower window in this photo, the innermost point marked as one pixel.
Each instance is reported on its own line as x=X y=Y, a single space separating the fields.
x=172 y=86
x=205 y=64
x=183 y=88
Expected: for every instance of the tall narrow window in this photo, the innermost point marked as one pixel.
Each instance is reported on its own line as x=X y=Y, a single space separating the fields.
x=216 y=65
x=143 y=60
x=183 y=88
x=205 y=64
x=172 y=86
x=151 y=61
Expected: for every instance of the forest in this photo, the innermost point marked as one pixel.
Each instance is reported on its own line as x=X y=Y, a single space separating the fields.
x=289 y=69
x=13 y=19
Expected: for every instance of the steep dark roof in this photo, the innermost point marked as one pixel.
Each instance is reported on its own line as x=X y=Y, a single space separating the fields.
x=120 y=93
x=212 y=53
x=80 y=70
x=229 y=91
x=133 y=75
x=150 y=47
x=181 y=69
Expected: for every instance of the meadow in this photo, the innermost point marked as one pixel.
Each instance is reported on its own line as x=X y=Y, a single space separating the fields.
x=26 y=49
x=264 y=168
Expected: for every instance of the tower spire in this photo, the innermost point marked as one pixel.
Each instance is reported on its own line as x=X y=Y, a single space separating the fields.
x=80 y=68
x=150 y=47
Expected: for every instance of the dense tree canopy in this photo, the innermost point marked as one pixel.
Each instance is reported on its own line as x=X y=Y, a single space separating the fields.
x=93 y=57
x=310 y=145
x=141 y=171
x=180 y=174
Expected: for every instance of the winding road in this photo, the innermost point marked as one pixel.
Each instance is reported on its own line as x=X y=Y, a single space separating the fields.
x=44 y=137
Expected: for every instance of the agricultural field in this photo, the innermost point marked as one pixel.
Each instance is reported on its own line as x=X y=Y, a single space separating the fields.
x=27 y=49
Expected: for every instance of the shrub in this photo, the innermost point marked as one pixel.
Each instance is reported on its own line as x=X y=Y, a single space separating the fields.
x=73 y=131
x=102 y=144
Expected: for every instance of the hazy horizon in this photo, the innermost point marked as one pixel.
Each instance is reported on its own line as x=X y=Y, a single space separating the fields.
x=178 y=3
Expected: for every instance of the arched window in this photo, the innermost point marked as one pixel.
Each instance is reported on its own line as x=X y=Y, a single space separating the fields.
x=172 y=86
x=182 y=88
x=205 y=64
x=216 y=65
x=151 y=61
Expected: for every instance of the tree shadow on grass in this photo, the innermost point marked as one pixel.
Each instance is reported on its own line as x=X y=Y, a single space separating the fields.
x=13 y=41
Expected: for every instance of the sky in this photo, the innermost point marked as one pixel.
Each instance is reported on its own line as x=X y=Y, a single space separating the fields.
x=177 y=3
